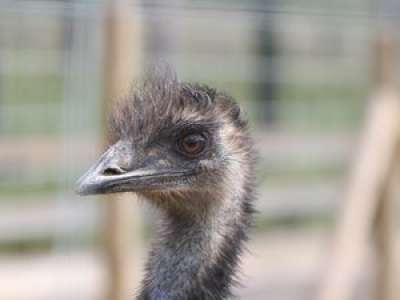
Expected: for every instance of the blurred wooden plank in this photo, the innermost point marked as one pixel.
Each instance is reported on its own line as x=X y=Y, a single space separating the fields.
x=367 y=182
x=121 y=214
x=387 y=237
x=387 y=286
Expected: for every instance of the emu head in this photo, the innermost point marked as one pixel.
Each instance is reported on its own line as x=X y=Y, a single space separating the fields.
x=172 y=142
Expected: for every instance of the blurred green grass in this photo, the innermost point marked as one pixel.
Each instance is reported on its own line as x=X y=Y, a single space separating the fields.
x=316 y=107
x=262 y=224
x=31 y=89
x=24 y=192
x=303 y=107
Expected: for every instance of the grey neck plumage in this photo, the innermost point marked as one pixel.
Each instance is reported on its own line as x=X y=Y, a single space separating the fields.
x=196 y=258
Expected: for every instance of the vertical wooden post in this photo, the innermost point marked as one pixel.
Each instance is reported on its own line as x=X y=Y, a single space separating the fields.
x=121 y=217
x=388 y=287
x=368 y=181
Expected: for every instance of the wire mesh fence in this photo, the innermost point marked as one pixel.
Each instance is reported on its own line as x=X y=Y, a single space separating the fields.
x=301 y=72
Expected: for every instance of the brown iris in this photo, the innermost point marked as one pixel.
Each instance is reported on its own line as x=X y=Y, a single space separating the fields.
x=192 y=144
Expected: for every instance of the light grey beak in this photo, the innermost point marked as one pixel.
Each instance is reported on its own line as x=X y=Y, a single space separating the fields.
x=115 y=172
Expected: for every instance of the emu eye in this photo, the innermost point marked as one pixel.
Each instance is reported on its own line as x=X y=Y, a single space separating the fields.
x=192 y=144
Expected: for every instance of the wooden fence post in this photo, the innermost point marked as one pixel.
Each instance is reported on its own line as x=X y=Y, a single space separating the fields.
x=388 y=287
x=121 y=215
x=388 y=210
x=368 y=181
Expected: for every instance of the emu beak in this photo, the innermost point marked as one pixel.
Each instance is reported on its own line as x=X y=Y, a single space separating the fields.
x=113 y=173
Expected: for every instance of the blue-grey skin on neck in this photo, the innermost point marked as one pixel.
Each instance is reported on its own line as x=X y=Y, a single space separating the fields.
x=203 y=190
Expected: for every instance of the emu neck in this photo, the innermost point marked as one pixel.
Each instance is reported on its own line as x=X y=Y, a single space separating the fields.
x=196 y=257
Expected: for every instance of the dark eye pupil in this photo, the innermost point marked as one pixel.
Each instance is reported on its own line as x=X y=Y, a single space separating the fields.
x=192 y=144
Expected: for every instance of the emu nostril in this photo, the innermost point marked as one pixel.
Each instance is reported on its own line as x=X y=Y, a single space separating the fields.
x=113 y=171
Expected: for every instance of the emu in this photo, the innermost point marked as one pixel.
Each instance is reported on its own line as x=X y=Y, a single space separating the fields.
x=186 y=149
